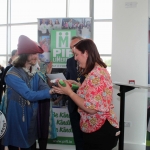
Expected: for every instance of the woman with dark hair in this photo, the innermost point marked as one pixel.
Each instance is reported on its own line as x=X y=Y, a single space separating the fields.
x=94 y=99
x=57 y=24
x=50 y=26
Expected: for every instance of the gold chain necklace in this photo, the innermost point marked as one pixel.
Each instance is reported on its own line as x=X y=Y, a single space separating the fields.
x=79 y=73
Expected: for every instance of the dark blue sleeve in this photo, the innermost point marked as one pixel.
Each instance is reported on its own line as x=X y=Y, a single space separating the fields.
x=18 y=85
x=67 y=71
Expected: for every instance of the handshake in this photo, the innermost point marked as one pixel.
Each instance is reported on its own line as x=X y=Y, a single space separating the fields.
x=62 y=83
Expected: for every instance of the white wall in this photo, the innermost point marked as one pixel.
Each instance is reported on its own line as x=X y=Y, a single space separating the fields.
x=130 y=61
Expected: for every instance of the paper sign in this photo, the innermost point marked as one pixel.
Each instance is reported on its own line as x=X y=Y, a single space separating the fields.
x=56 y=76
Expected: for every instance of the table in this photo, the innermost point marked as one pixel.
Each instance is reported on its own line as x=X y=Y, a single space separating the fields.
x=123 y=89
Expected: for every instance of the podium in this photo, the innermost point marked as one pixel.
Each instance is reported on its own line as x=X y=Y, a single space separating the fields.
x=123 y=89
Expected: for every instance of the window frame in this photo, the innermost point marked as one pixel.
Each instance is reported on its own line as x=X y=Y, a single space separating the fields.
x=8 y=25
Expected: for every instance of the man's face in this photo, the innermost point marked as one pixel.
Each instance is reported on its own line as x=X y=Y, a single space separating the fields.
x=72 y=43
x=32 y=59
x=14 y=56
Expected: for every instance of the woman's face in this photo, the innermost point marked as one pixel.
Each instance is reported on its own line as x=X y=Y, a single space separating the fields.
x=57 y=22
x=50 y=22
x=43 y=21
x=32 y=59
x=81 y=58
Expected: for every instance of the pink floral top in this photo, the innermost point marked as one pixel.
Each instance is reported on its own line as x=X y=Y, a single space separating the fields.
x=97 y=91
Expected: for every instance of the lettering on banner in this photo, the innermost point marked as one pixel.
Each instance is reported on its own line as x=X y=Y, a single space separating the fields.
x=63 y=122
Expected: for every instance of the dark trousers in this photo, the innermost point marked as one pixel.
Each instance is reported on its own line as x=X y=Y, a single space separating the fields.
x=1 y=92
x=1 y=146
x=43 y=123
x=77 y=133
x=42 y=143
x=33 y=147
x=148 y=115
x=103 y=139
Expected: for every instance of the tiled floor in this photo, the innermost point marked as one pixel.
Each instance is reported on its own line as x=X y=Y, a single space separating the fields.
x=65 y=147
x=60 y=147
x=56 y=147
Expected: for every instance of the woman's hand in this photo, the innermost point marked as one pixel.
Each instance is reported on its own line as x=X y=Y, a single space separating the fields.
x=64 y=90
x=49 y=68
x=73 y=82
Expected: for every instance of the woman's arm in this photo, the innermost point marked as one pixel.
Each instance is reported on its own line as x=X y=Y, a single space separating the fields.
x=77 y=99
x=80 y=102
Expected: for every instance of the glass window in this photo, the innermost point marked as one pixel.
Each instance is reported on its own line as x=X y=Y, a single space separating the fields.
x=78 y=8
x=27 y=30
x=103 y=37
x=3 y=61
x=29 y=10
x=107 y=61
x=3 y=40
x=102 y=9
x=3 y=13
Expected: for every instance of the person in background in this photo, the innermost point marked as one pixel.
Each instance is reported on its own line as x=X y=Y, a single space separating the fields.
x=1 y=84
x=73 y=72
x=57 y=24
x=43 y=27
x=13 y=56
x=9 y=61
x=94 y=99
x=46 y=123
x=70 y=24
x=24 y=89
x=50 y=26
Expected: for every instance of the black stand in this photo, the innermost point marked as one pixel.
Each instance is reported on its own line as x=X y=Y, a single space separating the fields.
x=123 y=90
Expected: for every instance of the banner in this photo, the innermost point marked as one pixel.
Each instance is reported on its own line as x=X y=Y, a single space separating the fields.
x=63 y=127
x=60 y=47
x=54 y=36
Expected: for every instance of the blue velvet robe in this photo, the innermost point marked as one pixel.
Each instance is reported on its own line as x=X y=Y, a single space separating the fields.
x=23 y=93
